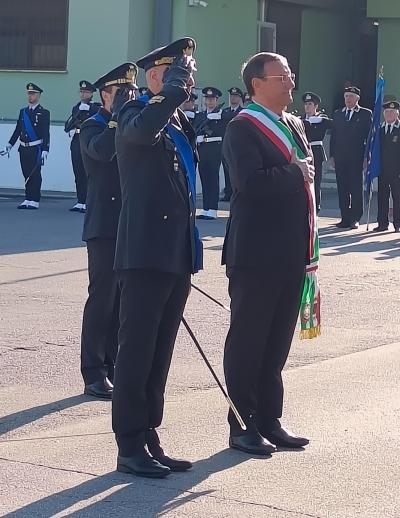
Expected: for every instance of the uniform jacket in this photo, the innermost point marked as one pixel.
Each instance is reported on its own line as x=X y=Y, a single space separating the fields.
x=103 y=201
x=210 y=124
x=228 y=114
x=40 y=119
x=316 y=128
x=348 y=138
x=268 y=223
x=390 y=151
x=77 y=117
x=157 y=222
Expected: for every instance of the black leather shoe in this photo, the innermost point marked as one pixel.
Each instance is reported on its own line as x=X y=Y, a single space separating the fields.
x=157 y=452
x=342 y=224
x=354 y=225
x=380 y=229
x=100 y=389
x=252 y=443
x=286 y=439
x=142 y=465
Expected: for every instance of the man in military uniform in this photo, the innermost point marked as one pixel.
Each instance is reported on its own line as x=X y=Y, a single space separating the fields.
x=316 y=125
x=33 y=132
x=80 y=112
x=235 y=105
x=350 y=129
x=99 y=343
x=210 y=129
x=246 y=99
x=157 y=250
x=389 y=177
x=189 y=108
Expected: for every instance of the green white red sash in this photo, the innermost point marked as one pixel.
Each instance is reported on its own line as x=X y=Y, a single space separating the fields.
x=281 y=136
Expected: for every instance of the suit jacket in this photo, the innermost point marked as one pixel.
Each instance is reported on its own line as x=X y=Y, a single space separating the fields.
x=103 y=202
x=268 y=223
x=390 y=152
x=157 y=222
x=348 y=138
x=40 y=119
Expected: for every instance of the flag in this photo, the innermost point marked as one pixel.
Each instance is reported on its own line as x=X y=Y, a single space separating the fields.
x=373 y=148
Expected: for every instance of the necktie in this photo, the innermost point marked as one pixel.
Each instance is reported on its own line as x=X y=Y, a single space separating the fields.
x=348 y=113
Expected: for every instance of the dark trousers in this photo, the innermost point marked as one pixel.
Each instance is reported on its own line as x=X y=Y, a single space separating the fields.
x=79 y=170
x=209 y=164
x=99 y=342
x=31 y=165
x=228 y=185
x=264 y=311
x=349 y=179
x=317 y=183
x=388 y=184
x=152 y=304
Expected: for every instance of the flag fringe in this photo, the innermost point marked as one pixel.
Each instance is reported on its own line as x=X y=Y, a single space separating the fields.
x=308 y=334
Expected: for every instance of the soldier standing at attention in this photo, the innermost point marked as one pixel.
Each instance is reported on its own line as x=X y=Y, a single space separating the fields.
x=189 y=108
x=80 y=112
x=33 y=132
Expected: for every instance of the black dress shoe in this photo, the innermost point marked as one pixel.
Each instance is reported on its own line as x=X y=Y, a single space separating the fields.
x=342 y=224
x=379 y=228
x=142 y=465
x=285 y=439
x=157 y=452
x=354 y=225
x=100 y=389
x=252 y=443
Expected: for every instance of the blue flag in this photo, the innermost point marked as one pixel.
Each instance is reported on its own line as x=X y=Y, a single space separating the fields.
x=373 y=147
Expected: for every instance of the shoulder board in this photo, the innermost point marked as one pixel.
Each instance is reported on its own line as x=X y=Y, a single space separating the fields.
x=156 y=99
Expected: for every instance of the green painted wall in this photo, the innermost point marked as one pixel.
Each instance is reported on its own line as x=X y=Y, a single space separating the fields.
x=226 y=35
x=324 y=59
x=388 y=37
x=140 y=37
x=94 y=47
x=383 y=9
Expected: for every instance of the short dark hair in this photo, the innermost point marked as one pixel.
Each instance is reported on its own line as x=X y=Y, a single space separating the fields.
x=107 y=89
x=254 y=67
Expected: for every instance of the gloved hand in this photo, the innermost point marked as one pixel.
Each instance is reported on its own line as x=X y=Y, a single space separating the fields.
x=44 y=156
x=6 y=150
x=178 y=73
x=214 y=116
x=122 y=95
x=84 y=107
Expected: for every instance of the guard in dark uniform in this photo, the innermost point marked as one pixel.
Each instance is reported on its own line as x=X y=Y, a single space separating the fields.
x=235 y=105
x=210 y=129
x=350 y=128
x=189 y=107
x=157 y=250
x=316 y=125
x=99 y=343
x=389 y=178
x=33 y=132
x=80 y=112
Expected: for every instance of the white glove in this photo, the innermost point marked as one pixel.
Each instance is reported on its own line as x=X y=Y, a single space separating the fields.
x=44 y=156
x=84 y=107
x=214 y=116
x=6 y=150
x=315 y=119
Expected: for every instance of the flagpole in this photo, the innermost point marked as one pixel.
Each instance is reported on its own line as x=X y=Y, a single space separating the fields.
x=369 y=205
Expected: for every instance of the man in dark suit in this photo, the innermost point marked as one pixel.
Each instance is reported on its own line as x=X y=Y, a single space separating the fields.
x=157 y=250
x=316 y=125
x=99 y=343
x=80 y=112
x=235 y=105
x=389 y=177
x=265 y=252
x=350 y=128
x=33 y=131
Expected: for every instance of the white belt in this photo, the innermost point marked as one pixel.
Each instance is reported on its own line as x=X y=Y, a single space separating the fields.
x=31 y=144
x=201 y=138
x=316 y=143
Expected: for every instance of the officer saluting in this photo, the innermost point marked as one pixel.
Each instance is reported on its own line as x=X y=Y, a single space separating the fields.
x=189 y=108
x=80 y=112
x=210 y=130
x=157 y=250
x=350 y=128
x=100 y=325
x=316 y=125
x=33 y=132
x=235 y=105
x=389 y=178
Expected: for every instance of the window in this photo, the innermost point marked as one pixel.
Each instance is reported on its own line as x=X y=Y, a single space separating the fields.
x=33 y=34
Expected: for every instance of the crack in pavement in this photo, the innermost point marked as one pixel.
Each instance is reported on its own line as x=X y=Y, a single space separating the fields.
x=169 y=488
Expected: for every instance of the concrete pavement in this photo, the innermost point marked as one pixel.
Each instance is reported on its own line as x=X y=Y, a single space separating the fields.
x=57 y=453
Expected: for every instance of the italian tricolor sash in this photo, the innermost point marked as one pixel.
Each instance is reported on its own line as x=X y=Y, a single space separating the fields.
x=281 y=136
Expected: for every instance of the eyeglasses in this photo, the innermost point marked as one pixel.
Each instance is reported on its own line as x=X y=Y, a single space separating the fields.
x=284 y=79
